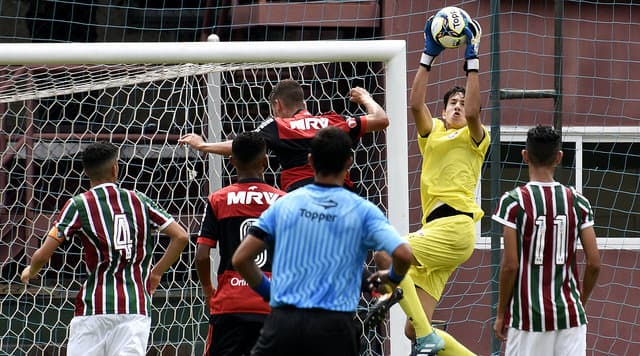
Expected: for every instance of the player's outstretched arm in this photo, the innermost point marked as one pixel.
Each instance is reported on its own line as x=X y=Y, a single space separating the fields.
x=197 y=142
x=377 y=119
x=179 y=241
x=40 y=258
x=508 y=275
x=592 y=268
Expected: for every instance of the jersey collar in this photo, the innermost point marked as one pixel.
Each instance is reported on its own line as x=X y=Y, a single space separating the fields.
x=104 y=185
x=301 y=112
x=325 y=185
x=250 y=180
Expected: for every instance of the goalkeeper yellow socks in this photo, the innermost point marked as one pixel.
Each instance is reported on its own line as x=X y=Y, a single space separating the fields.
x=411 y=306
x=410 y=303
x=451 y=346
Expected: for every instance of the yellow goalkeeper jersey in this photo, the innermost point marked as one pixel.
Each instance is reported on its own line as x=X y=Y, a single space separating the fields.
x=451 y=164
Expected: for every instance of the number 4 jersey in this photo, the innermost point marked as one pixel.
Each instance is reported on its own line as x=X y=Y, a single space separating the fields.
x=548 y=218
x=229 y=213
x=115 y=227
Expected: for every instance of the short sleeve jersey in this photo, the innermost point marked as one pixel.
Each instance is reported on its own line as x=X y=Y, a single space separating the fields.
x=115 y=227
x=322 y=235
x=548 y=219
x=451 y=165
x=228 y=215
x=289 y=139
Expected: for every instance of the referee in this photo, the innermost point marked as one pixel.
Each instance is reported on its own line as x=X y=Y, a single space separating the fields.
x=321 y=234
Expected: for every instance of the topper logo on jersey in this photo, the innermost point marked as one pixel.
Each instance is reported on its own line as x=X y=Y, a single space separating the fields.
x=242 y=197
x=315 y=216
x=307 y=123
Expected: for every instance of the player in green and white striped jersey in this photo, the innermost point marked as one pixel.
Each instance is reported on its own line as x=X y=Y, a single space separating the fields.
x=541 y=300
x=115 y=226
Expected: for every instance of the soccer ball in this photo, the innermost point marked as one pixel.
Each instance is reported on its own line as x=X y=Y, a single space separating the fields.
x=447 y=26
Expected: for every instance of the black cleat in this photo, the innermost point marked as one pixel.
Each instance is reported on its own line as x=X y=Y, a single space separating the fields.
x=378 y=312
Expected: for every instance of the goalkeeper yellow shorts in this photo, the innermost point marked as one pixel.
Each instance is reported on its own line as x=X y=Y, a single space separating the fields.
x=440 y=246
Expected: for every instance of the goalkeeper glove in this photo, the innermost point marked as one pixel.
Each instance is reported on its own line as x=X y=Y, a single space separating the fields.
x=431 y=48
x=473 y=32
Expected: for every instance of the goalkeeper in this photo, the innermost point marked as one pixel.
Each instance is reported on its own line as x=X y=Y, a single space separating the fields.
x=453 y=149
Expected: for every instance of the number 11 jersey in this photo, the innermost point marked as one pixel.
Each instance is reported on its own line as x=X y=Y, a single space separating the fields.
x=548 y=218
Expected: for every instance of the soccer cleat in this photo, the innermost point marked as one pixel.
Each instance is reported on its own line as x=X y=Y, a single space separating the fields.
x=428 y=345
x=378 y=311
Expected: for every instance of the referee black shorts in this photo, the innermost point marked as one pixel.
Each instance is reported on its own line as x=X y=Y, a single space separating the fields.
x=290 y=331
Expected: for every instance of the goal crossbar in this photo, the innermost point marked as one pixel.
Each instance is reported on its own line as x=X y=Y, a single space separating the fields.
x=199 y=52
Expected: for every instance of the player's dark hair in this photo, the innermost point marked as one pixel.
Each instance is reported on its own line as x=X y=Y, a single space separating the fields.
x=543 y=143
x=451 y=92
x=247 y=147
x=330 y=149
x=289 y=92
x=97 y=159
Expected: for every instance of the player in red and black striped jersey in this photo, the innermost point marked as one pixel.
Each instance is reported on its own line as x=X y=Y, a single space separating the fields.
x=289 y=132
x=115 y=226
x=237 y=312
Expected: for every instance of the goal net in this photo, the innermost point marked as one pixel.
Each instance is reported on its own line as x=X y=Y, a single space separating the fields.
x=56 y=98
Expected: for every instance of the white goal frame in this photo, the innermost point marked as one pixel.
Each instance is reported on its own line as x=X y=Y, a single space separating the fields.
x=390 y=52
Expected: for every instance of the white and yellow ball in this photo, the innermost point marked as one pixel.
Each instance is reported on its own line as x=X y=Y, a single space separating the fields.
x=447 y=27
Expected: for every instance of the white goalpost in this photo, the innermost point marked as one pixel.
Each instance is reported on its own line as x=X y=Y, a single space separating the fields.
x=57 y=97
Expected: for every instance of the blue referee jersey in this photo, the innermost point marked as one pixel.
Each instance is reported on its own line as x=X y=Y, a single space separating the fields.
x=321 y=235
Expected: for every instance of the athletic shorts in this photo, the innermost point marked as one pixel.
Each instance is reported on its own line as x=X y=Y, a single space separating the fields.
x=570 y=342
x=440 y=246
x=290 y=331
x=233 y=334
x=109 y=334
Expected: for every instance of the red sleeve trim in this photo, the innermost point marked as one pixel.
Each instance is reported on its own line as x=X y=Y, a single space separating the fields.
x=363 y=125
x=206 y=241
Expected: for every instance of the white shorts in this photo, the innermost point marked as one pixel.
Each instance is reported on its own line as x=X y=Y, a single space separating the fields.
x=109 y=334
x=566 y=342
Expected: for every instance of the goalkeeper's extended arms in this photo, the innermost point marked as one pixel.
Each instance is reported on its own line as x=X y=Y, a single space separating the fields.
x=419 y=110
x=431 y=48
x=473 y=31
